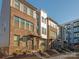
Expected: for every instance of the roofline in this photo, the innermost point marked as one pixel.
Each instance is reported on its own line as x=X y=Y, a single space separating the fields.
x=28 y=4
x=53 y=20
x=72 y=21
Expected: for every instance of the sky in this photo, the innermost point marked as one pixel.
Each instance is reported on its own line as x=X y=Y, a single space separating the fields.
x=0 y=6
x=59 y=10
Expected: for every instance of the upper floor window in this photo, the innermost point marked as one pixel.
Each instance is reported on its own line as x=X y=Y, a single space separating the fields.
x=76 y=24
x=31 y=27
x=43 y=20
x=76 y=35
x=69 y=26
x=27 y=24
x=76 y=29
x=16 y=22
x=22 y=24
x=31 y=12
x=52 y=35
x=43 y=31
x=17 y=4
x=38 y=17
x=25 y=9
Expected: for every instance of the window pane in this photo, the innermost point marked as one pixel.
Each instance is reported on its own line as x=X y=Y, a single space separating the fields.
x=43 y=31
x=22 y=24
x=17 y=4
x=31 y=27
x=16 y=40
x=25 y=9
x=43 y=20
x=16 y=22
x=31 y=12
x=27 y=24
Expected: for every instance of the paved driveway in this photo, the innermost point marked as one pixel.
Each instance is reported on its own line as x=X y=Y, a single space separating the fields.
x=66 y=56
x=62 y=56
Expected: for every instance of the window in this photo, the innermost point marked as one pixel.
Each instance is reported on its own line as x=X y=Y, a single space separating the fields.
x=31 y=27
x=16 y=40
x=52 y=35
x=76 y=29
x=25 y=9
x=43 y=31
x=16 y=22
x=17 y=4
x=43 y=20
x=76 y=35
x=31 y=12
x=27 y=24
x=68 y=26
x=76 y=23
x=22 y=24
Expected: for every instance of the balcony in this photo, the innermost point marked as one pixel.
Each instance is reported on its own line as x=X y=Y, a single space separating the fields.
x=53 y=29
x=76 y=24
x=76 y=29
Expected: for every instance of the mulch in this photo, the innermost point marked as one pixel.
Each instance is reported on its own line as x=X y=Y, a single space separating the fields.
x=24 y=57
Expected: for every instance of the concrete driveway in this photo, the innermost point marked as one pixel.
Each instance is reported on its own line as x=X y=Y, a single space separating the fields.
x=66 y=56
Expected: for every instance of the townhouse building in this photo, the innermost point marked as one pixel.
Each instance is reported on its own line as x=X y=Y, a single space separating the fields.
x=71 y=33
x=19 y=24
x=42 y=28
x=48 y=30
x=24 y=27
x=53 y=32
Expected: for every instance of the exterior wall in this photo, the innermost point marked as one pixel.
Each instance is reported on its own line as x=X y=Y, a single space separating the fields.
x=4 y=25
x=69 y=32
x=53 y=28
x=44 y=15
x=38 y=22
x=8 y=29
x=43 y=39
x=21 y=32
x=52 y=31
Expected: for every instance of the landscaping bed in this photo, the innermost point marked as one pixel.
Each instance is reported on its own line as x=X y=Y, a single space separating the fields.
x=29 y=56
x=51 y=53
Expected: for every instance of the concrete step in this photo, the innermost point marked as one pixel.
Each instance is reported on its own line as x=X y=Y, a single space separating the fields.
x=38 y=55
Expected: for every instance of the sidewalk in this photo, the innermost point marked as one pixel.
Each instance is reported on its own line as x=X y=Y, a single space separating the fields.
x=64 y=56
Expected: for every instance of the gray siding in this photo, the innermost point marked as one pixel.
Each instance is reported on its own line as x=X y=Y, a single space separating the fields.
x=4 y=23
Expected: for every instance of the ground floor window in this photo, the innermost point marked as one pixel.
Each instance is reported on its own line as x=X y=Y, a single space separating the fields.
x=16 y=40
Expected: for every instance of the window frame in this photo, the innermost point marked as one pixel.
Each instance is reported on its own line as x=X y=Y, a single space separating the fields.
x=17 y=4
x=16 y=41
x=16 y=21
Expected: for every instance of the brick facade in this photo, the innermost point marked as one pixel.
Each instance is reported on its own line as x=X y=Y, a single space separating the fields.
x=21 y=32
